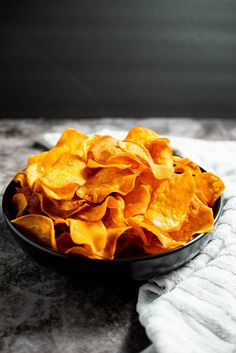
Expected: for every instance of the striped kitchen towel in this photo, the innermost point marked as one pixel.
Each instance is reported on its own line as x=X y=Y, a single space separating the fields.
x=193 y=309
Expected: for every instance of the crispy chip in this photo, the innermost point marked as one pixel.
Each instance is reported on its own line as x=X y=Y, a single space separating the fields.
x=117 y=213
x=170 y=202
x=148 y=179
x=199 y=219
x=210 y=185
x=89 y=144
x=125 y=158
x=81 y=250
x=64 y=242
x=69 y=169
x=22 y=179
x=38 y=227
x=155 y=249
x=159 y=171
x=105 y=182
x=113 y=235
x=73 y=205
x=34 y=169
x=73 y=141
x=96 y=213
x=92 y=234
x=41 y=204
x=183 y=164
x=164 y=238
x=104 y=198
x=39 y=165
x=19 y=203
x=60 y=179
x=138 y=229
x=66 y=193
x=161 y=153
x=129 y=244
x=156 y=145
x=105 y=148
x=62 y=221
x=137 y=201
x=142 y=136
x=92 y=164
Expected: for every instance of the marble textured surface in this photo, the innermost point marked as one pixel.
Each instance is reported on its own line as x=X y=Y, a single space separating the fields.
x=44 y=311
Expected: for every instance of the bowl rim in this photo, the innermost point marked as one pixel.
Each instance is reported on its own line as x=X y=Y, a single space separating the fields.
x=49 y=251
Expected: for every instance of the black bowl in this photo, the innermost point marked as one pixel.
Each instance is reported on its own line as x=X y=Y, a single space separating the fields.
x=138 y=268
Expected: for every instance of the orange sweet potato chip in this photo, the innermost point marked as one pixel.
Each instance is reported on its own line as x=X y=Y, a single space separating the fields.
x=161 y=153
x=58 y=173
x=137 y=227
x=65 y=193
x=93 y=234
x=170 y=202
x=73 y=141
x=89 y=144
x=41 y=204
x=183 y=164
x=34 y=169
x=96 y=213
x=105 y=148
x=156 y=145
x=137 y=201
x=69 y=169
x=38 y=165
x=155 y=248
x=92 y=164
x=210 y=185
x=142 y=136
x=38 y=227
x=113 y=235
x=165 y=239
x=132 y=162
x=105 y=182
x=199 y=219
x=73 y=205
x=19 y=203
x=22 y=179
x=104 y=198
x=117 y=213
x=159 y=171
x=64 y=242
x=84 y=251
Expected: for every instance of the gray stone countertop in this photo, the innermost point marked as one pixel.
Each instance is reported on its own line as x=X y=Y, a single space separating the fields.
x=44 y=311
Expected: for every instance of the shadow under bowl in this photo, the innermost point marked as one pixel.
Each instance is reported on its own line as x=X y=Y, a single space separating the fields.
x=137 y=268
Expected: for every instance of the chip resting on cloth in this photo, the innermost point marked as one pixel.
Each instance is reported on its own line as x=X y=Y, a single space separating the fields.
x=98 y=197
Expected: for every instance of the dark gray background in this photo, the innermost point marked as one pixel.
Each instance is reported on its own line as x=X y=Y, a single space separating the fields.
x=118 y=58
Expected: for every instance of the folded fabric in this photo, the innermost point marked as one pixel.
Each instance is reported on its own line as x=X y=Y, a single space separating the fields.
x=193 y=309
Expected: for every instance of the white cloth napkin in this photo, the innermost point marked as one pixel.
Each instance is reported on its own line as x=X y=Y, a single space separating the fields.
x=193 y=309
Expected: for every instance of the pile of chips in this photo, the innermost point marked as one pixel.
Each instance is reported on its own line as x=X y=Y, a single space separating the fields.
x=101 y=197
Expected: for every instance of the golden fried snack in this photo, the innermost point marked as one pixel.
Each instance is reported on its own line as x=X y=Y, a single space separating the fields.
x=98 y=196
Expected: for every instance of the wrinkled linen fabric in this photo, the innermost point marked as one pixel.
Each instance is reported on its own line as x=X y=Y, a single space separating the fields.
x=193 y=309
